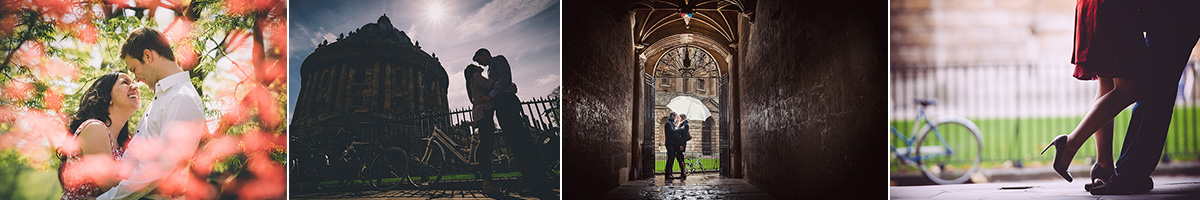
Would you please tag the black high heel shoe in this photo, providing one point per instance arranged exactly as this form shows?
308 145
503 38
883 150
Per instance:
1100 176
1059 143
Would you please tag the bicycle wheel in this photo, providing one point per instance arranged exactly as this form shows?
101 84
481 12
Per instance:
952 153
549 146
386 174
695 166
502 160
424 166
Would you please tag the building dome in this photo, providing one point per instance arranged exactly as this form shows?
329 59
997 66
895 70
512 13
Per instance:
374 75
383 20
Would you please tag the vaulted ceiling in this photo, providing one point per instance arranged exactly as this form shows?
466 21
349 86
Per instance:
660 25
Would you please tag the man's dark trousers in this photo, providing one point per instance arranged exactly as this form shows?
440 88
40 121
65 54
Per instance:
1171 33
520 142
673 154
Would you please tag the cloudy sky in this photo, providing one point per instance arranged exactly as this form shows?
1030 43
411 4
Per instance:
524 31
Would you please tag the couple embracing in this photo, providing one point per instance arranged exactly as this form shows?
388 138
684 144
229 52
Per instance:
676 136
132 165
1137 51
496 95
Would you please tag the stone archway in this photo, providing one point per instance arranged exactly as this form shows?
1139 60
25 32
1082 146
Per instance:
694 67
714 27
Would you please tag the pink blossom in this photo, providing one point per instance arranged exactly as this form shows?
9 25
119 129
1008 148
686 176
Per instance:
18 90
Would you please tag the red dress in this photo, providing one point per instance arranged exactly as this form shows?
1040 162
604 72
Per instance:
85 189
1108 40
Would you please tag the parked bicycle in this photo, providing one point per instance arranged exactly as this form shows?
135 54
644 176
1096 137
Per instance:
306 164
548 141
949 155
387 169
428 159
693 163
364 162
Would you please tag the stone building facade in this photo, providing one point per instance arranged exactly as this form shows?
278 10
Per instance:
704 132
361 85
981 31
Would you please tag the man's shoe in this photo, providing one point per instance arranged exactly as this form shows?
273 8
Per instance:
1123 186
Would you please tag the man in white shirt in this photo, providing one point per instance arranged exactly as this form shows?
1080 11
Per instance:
171 126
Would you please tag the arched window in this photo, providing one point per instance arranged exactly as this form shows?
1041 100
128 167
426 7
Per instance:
686 61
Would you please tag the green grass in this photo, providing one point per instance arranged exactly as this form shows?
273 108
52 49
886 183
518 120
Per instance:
20 182
709 163
1002 141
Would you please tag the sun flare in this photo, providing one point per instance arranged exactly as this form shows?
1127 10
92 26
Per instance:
436 11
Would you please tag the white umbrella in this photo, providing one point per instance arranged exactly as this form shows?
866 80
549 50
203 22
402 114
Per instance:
692 107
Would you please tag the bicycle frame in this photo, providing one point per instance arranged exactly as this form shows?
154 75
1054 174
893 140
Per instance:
439 136
695 161
909 141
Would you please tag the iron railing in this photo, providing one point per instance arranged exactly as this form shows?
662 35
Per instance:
1019 107
540 113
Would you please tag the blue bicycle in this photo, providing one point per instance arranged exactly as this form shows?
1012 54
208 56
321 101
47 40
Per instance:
948 156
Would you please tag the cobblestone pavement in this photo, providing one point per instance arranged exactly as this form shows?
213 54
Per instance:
1165 187
696 186
462 190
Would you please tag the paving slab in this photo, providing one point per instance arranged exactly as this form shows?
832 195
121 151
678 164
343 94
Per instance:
1165 187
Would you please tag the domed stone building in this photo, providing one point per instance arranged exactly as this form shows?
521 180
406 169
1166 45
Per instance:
363 84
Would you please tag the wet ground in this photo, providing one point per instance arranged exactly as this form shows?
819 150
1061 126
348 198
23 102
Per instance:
696 186
1165 187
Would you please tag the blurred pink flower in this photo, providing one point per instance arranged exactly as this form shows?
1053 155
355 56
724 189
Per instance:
187 57
262 142
265 102
56 68
119 3
33 131
182 183
52 99
65 144
269 179
30 54
235 113
86 33
92 167
151 4
272 70
8 112
244 7
54 8
277 32
18 90
219 148
8 23
237 39
178 31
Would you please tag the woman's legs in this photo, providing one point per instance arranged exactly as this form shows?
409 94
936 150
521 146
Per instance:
483 153
1104 136
1101 115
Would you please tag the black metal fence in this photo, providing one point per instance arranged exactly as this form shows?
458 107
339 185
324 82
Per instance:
1019 107
540 113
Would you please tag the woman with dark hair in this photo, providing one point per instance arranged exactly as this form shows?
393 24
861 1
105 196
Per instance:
481 116
101 131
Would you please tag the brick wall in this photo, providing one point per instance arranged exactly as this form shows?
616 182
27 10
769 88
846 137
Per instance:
600 76
813 99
